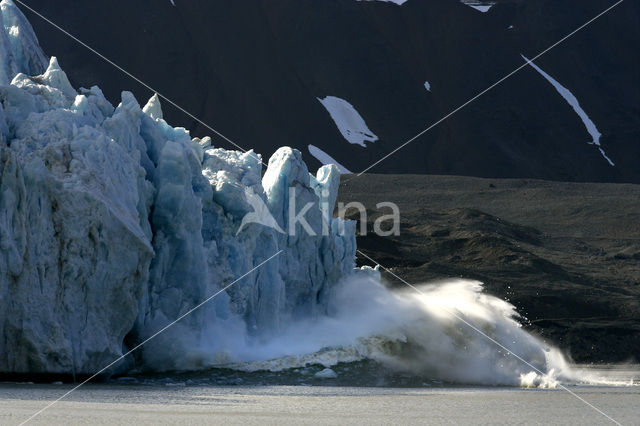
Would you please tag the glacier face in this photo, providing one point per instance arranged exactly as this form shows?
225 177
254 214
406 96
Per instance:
113 224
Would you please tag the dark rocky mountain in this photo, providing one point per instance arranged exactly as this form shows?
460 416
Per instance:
254 70
566 254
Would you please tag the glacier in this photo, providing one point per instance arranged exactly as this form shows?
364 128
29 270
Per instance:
114 223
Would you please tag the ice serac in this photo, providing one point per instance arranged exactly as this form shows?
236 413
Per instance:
316 249
19 48
152 108
113 225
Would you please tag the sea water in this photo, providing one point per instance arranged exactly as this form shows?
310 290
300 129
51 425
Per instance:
183 402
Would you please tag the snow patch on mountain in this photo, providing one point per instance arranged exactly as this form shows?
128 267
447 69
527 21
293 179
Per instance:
398 2
573 101
482 6
350 123
325 158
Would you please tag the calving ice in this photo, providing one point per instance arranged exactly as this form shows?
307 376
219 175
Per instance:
114 224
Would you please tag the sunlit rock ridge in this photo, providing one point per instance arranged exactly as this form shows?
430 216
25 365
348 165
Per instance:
113 224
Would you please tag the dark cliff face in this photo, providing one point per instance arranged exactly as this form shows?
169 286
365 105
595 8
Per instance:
253 69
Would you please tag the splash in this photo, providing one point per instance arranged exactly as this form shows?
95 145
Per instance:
402 331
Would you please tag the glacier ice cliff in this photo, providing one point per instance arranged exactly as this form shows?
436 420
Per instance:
113 224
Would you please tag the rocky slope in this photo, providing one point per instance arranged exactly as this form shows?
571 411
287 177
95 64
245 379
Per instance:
566 254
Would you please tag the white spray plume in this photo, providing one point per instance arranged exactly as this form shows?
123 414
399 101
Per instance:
404 331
